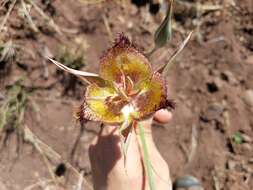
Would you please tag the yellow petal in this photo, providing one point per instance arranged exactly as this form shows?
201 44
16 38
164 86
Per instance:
122 61
152 96
96 108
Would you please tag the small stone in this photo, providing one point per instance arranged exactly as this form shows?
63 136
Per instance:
187 182
181 96
231 164
229 77
248 97
1 96
36 174
246 147
217 13
191 188
121 19
133 10
130 25
246 138
251 160
2 186
196 188
214 72
218 82
249 60
213 112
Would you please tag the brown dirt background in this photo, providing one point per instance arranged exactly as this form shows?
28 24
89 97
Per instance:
211 83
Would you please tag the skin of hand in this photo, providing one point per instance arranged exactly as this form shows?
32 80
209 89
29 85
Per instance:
108 168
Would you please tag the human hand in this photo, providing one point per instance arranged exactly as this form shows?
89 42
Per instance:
108 168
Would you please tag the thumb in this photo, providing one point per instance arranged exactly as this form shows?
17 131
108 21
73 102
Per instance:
162 116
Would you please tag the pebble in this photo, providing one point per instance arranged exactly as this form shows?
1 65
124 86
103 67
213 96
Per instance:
218 82
213 112
246 147
187 182
1 96
246 138
248 97
133 10
130 25
229 77
121 19
191 188
249 60
231 164
2 186
196 188
251 160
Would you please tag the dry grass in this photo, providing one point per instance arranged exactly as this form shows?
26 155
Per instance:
24 10
13 107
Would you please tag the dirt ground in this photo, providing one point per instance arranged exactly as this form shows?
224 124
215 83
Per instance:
211 134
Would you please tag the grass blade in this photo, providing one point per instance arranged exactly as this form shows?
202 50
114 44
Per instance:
29 18
146 159
7 15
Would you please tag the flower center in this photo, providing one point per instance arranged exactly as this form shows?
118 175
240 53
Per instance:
123 101
127 110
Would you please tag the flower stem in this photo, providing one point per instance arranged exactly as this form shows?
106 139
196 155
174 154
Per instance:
146 159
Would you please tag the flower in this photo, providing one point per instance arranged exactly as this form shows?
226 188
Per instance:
130 90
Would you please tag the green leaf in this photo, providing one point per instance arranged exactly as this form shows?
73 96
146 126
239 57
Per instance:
164 32
146 159
237 138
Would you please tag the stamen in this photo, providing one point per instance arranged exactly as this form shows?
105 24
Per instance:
123 77
131 84
120 91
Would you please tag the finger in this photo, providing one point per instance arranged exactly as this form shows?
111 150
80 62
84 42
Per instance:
163 116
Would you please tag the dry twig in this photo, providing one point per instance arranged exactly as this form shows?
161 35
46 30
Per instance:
27 15
194 143
108 29
38 184
7 14
44 16
48 152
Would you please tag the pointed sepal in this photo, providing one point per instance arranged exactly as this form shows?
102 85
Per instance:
165 67
83 75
